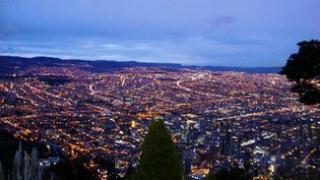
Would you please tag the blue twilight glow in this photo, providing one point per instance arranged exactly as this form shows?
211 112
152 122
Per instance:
202 32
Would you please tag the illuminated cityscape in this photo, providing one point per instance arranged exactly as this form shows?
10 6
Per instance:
218 119
159 90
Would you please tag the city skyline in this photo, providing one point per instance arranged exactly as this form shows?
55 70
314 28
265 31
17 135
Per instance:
218 120
243 34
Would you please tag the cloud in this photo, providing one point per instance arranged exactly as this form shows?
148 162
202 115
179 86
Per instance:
224 20
199 50
239 33
8 30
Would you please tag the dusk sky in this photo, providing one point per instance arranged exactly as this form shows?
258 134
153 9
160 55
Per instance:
200 32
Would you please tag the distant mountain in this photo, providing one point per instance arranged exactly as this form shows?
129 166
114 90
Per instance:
245 69
12 64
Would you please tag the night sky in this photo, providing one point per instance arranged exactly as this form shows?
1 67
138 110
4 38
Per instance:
200 32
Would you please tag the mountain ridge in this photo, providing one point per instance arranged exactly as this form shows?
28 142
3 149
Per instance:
10 64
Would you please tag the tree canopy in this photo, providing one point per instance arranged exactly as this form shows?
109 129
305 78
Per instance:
303 68
1 172
159 159
226 174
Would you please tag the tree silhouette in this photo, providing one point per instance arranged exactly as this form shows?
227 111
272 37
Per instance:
303 68
224 174
211 176
159 159
1 172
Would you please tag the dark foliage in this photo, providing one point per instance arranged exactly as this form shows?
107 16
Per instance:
65 169
304 67
159 159
232 174
71 169
9 99
9 145
54 80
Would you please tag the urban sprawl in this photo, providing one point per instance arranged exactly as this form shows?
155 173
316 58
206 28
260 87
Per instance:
217 119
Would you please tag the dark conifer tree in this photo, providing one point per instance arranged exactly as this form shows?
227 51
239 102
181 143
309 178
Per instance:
159 159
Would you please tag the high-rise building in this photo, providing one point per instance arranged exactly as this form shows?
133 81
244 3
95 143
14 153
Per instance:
109 127
226 140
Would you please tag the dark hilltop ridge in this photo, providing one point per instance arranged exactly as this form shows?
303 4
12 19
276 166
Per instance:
12 64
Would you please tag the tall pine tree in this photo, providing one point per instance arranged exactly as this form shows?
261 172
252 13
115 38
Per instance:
159 159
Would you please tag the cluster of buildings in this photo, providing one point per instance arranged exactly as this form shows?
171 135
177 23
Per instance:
219 120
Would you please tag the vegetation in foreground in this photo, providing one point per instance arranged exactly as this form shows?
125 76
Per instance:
159 159
21 160
303 68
